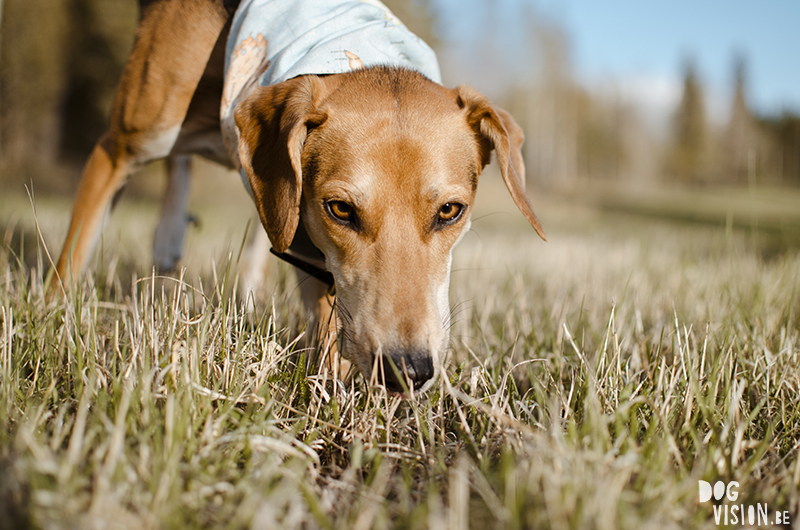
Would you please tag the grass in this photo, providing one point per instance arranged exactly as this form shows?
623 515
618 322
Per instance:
592 382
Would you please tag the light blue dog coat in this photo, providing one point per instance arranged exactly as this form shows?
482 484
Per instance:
301 37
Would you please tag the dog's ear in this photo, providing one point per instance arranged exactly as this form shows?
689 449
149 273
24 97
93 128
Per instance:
272 123
497 130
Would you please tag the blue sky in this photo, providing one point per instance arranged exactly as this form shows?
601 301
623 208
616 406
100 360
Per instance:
628 38
643 44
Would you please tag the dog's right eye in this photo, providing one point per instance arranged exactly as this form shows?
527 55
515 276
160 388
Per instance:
341 211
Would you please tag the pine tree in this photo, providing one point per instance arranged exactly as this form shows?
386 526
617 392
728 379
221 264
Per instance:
689 157
742 137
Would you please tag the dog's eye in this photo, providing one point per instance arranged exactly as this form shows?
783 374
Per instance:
341 211
450 212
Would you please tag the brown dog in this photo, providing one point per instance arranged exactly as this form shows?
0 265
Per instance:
372 173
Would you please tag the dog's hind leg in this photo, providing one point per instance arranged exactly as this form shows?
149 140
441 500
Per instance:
173 43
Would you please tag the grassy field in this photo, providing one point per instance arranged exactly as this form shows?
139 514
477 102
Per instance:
592 380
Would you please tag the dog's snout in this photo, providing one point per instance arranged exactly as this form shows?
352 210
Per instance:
417 367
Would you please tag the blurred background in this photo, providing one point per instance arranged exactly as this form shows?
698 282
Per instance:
679 110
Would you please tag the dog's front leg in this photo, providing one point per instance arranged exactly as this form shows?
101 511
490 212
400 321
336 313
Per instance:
323 324
168 239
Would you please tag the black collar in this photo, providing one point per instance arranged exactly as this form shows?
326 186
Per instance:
322 275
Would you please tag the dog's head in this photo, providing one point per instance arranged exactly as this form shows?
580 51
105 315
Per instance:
382 166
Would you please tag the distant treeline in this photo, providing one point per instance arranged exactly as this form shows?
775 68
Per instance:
573 135
60 61
748 149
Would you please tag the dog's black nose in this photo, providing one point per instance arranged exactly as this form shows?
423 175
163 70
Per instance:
417 367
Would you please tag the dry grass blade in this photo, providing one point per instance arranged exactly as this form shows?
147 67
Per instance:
589 385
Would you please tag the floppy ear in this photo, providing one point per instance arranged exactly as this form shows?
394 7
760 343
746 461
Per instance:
498 131
272 123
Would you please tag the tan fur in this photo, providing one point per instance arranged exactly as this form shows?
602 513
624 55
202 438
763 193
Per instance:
393 145
309 141
173 44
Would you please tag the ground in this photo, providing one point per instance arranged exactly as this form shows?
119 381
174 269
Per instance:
593 381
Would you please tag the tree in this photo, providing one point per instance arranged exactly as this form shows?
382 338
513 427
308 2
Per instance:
743 140
689 156
59 63
32 77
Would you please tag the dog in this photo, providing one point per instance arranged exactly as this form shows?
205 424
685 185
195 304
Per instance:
362 166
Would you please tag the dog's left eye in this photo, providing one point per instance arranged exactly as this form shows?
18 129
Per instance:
450 213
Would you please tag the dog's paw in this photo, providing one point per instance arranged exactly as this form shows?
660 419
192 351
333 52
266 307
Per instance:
168 241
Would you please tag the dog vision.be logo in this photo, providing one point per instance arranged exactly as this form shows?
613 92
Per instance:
738 514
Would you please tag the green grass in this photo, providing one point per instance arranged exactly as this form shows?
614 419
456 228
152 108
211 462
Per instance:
592 381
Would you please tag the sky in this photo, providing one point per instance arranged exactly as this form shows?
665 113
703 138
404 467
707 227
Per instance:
641 46
641 39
